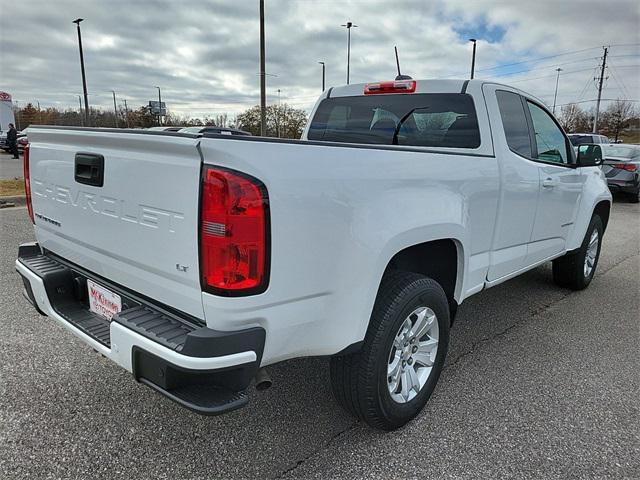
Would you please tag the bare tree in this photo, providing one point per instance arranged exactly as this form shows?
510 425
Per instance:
617 117
574 119
282 119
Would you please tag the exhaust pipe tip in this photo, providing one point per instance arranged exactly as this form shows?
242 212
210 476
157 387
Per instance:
262 379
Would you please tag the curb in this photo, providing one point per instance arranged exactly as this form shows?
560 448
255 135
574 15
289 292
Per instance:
13 201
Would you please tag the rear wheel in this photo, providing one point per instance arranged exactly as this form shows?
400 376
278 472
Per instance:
391 378
635 197
576 270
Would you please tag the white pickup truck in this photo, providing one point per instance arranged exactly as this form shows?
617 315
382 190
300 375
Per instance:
194 261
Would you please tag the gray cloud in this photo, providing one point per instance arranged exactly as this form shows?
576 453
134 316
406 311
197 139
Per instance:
204 55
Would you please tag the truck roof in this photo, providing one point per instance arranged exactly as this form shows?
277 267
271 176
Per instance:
425 86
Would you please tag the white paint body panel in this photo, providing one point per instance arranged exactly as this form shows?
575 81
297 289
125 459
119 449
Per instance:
338 215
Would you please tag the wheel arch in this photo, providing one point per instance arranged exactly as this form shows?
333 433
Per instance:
603 210
440 259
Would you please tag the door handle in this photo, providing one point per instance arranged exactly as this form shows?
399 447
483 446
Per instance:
549 183
89 169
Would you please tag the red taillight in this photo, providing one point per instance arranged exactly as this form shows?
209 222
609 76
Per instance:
27 181
234 223
398 86
629 167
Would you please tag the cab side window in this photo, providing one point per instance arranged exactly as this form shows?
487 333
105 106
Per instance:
550 141
514 122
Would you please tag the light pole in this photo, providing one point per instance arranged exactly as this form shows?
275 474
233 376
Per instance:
323 67
473 57
349 26
263 78
555 95
115 108
126 112
159 107
84 77
278 116
80 105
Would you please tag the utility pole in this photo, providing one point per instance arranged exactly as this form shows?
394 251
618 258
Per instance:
349 26
84 78
126 112
263 77
555 95
39 112
604 65
322 63
159 107
115 108
80 105
473 57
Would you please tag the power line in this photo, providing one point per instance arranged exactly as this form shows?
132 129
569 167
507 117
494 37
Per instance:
534 60
553 75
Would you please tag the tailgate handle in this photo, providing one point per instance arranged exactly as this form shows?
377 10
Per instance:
89 169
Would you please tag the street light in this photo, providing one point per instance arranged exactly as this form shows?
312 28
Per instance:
80 105
473 57
263 78
322 63
278 116
115 109
349 26
555 95
84 78
159 107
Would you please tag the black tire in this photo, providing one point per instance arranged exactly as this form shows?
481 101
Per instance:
568 271
635 197
359 380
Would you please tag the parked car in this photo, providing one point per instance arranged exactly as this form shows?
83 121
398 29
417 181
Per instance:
358 242
587 138
165 129
213 130
622 169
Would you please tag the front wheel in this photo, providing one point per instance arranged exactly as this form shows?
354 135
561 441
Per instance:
576 270
391 378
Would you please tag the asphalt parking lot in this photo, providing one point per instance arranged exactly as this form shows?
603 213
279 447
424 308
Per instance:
540 383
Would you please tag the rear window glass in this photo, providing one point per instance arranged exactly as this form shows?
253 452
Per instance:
622 151
424 120
580 139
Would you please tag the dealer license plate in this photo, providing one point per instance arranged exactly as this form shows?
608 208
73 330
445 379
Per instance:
103 301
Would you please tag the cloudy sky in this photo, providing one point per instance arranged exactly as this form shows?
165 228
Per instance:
205 54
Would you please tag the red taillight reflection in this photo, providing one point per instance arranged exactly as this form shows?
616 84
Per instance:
397 86
629 167
27 181
233 233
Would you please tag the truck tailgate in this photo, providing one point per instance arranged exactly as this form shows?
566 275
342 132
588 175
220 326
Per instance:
137 225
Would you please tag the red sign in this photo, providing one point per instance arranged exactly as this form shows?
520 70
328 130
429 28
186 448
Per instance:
5 97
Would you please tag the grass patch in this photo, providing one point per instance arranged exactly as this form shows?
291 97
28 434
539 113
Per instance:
10 188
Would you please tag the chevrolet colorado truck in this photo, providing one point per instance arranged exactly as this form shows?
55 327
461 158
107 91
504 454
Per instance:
194 261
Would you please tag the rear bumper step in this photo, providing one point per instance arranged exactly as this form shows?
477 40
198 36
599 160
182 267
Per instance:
204 370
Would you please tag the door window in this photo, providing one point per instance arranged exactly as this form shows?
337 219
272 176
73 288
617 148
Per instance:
514 122
550 141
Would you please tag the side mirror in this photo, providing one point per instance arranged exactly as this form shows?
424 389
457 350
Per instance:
589 155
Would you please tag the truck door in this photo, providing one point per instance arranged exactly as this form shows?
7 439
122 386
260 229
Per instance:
560 185
519 181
